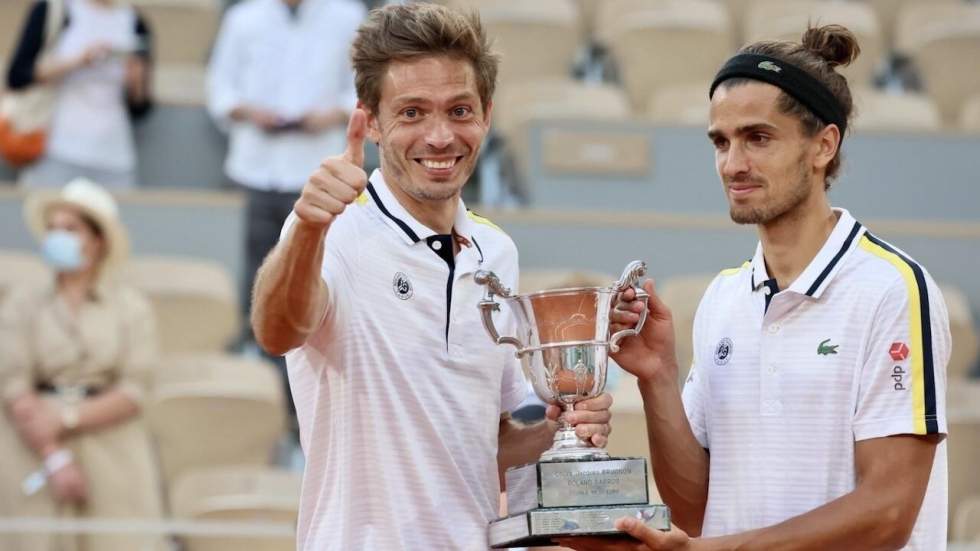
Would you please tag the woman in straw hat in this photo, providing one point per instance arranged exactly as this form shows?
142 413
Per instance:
75 356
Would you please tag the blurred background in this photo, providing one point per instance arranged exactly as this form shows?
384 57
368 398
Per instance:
598 156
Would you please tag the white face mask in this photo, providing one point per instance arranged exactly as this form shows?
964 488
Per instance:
62 250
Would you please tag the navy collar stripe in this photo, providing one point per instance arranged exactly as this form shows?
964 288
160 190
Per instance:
826 271
928 377
384 210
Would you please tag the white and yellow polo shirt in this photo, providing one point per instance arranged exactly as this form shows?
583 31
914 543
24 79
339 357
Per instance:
785 381
399 392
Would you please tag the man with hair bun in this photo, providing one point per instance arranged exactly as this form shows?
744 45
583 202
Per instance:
814 413
401 398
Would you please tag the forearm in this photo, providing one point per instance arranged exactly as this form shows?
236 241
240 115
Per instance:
859 520
519 444
21 411
105 410
680 464
290 295
53 71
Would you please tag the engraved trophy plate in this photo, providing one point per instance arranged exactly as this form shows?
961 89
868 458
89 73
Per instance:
577 484
539 526
563 342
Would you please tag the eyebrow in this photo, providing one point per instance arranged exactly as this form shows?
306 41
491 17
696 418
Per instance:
747 129
425 100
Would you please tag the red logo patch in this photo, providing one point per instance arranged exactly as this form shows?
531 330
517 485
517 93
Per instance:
898 351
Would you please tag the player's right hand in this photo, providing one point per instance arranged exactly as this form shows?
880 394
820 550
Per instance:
339 180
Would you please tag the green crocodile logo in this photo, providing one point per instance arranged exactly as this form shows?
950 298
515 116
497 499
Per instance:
824 349
770 66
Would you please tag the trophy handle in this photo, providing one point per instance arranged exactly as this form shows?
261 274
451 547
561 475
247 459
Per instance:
630 278
488 306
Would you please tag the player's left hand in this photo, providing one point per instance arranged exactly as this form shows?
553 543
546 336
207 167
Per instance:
590 418
642 538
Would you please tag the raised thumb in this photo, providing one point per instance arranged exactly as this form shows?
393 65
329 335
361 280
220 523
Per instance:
356 132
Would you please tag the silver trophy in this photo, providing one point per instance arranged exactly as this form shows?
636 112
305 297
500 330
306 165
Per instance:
563 341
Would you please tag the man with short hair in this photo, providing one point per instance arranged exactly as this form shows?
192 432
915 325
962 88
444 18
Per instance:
401 396
813 416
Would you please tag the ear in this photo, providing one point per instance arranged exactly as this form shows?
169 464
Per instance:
827 142
373 128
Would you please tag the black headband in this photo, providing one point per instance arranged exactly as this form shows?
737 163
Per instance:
790 79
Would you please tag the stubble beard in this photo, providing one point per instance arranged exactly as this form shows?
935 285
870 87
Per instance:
798 194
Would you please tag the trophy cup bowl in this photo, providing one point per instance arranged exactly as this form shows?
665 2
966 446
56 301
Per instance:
563 342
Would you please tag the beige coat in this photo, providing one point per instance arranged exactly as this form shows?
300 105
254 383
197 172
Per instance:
110 342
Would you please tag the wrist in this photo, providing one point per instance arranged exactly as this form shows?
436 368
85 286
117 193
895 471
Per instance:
57 460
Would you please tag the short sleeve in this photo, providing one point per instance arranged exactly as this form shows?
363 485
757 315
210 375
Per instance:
16 352
141 344
694 395
902 383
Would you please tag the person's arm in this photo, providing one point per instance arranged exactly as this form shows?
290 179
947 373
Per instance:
679 461
879 514
139 67
290 295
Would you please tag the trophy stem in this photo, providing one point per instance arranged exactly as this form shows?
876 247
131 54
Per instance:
567 445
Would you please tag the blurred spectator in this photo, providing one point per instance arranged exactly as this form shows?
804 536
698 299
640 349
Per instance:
280 82
100 66
75 359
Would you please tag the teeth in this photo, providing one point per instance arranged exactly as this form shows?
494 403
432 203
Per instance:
438 164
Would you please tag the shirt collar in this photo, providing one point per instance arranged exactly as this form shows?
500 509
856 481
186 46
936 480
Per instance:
824 266
399 219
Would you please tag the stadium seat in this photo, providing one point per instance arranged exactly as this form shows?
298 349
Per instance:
963 331
214 410
963 417
243 494
180 84
887 12
966 521
194 299
788 19
21 268
183 29
682 294
563 100
945 52
653 48
538 39
970 117
894 112
684 104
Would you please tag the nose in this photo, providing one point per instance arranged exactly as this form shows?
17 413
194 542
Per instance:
733 162
439 135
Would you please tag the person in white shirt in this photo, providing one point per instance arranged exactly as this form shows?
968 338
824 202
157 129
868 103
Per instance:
401 396
280 83
100 66
813 416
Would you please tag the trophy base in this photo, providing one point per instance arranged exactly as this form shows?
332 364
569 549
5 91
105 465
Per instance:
540 526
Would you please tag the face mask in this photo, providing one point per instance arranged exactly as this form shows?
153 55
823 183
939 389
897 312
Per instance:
62 250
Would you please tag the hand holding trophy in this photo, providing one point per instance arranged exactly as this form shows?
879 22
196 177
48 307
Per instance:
575 488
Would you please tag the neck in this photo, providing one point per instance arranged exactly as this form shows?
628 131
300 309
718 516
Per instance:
437 215
790 242
75 287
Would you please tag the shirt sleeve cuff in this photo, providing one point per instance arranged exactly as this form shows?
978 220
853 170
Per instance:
891 426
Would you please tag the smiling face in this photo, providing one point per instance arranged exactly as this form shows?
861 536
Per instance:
768 168
429 126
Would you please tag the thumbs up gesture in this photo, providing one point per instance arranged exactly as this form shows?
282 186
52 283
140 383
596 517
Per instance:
338 181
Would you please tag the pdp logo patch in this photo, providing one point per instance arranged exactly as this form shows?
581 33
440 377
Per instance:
402 286
723 352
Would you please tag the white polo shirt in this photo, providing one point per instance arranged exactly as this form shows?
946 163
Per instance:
399 392
785 382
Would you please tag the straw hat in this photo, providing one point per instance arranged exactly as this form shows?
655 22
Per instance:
94 202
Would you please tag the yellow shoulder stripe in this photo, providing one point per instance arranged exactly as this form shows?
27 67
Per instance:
915 330
362 199
733 271
481 220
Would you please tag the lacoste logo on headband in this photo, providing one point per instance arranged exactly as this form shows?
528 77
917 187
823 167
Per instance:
770 66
